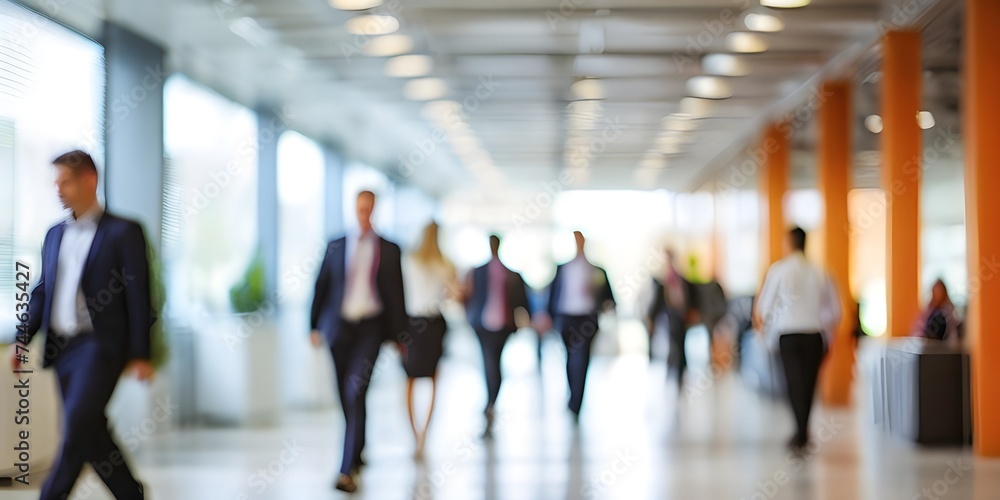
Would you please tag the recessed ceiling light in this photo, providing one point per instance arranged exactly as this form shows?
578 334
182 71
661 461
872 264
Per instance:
372 25
725 65
746 43
763 22
925 119
873 123
409 66
589 88
388 45
709 87
785 4
354 4
425 89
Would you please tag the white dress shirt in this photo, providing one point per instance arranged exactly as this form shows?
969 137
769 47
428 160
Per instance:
797 297
70 315
577 293
361 300
425 287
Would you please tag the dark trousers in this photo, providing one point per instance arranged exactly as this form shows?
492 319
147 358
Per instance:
578 334
355 351
87 378
677 357
492 344
801 355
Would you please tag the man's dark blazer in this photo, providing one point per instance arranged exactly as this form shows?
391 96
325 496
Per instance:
115 284
517 296
329 295
659 302
600 286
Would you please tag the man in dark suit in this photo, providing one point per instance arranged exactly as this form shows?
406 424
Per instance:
676 299
495 293
578 293
93 301
358 304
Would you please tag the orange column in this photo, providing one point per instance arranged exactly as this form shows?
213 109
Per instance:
982 208
901 158
834 148
773 176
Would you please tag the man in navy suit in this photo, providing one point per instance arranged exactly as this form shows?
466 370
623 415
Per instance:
93 302
496 292
358 304
579 292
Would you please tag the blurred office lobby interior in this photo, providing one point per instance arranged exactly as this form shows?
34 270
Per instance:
238 132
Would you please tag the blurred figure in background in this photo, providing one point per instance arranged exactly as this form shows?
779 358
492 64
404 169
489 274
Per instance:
358 304
674 299
494 294
89 342
578 293
797 310
429 280
939 320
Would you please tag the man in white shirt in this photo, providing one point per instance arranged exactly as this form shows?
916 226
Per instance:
578 293
94 304
797 309
358 304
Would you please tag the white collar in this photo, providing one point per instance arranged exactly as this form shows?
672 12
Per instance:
91 215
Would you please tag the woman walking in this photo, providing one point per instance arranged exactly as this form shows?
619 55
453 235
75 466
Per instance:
428 280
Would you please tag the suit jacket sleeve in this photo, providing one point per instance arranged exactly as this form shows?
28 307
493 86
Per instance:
657 305
396 306
522 294
321 289
138 300
550 304
606 294
36 305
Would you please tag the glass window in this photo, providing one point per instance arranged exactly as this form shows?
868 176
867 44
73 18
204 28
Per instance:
211 186
51 102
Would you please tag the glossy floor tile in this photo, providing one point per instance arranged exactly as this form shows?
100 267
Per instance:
637 439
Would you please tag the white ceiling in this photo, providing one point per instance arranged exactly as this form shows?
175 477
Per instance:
644 52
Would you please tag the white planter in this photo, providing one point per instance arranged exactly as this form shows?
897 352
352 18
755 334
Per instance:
236 370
